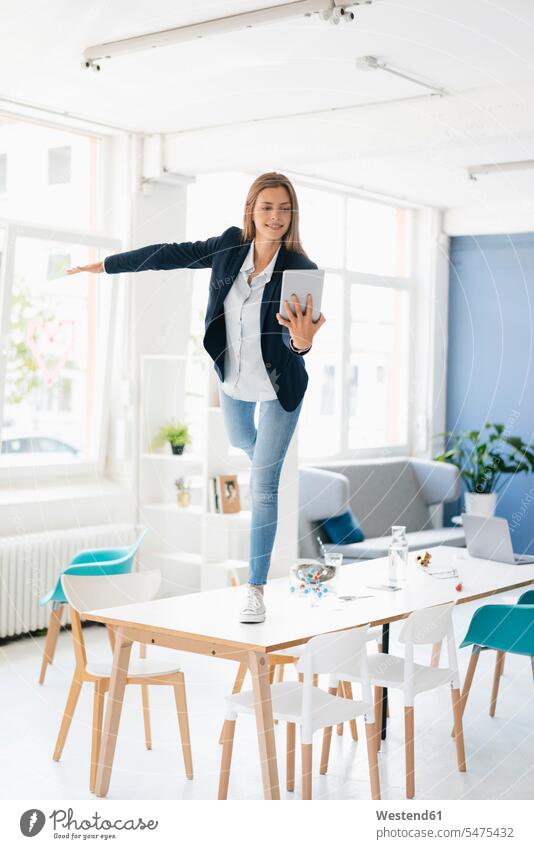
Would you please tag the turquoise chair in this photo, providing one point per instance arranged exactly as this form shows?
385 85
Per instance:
90 561
502 628
526 598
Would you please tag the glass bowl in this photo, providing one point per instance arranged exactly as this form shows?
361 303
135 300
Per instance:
311 578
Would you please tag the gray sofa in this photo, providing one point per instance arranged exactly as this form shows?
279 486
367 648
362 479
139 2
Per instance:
381 493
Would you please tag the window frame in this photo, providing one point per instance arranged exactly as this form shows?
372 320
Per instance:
12 231
3 191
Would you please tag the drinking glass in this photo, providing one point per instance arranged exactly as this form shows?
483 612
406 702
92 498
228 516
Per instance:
332 558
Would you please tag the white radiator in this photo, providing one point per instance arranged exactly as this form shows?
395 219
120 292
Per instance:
31 564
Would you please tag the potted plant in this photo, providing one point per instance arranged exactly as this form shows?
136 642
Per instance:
176 433
484 457
183 491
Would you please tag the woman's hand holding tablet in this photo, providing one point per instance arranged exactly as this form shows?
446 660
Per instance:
302 328
303 318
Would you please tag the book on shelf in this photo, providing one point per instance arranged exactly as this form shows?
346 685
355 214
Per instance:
224 494
213 496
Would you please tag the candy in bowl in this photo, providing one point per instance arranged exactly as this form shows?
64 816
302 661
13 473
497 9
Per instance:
310 577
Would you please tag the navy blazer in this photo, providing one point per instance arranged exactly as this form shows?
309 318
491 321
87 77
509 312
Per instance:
225 255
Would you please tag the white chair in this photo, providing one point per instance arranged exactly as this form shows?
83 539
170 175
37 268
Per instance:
283 657
422 627
300 703
85 593
344 688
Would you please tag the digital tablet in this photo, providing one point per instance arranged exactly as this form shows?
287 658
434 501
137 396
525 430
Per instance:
301 282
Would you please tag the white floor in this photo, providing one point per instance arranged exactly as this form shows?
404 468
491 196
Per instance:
500 751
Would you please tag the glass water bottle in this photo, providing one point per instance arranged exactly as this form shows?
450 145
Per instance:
397 556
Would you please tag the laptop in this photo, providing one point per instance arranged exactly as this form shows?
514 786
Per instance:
489 537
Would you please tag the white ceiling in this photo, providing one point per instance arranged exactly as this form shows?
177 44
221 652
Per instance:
419 148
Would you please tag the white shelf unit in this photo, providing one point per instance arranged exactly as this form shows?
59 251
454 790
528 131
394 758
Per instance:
188 544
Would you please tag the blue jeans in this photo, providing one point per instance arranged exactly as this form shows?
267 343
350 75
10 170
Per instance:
266 446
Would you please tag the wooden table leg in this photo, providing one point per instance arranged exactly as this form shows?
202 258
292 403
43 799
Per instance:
259 671
117 684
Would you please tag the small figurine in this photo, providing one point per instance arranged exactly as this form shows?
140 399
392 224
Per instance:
425 559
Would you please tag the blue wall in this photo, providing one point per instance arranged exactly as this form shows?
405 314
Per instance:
490 374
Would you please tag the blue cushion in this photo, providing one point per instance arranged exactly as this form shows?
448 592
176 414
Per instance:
344 529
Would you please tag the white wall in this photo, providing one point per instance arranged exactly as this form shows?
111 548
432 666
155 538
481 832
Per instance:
479 220
429 331
154 306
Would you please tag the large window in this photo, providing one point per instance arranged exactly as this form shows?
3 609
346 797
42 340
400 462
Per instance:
359 371
378 367
358 392
56 330
52 176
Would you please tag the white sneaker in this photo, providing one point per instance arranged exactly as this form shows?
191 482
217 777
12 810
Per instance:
254 609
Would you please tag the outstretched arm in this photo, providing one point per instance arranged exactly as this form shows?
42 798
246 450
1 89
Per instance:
161 257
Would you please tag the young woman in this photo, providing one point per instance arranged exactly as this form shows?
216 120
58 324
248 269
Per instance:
258 354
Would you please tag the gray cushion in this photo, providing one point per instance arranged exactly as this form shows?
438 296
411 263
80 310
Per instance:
378 546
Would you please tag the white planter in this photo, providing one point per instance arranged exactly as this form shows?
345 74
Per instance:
481 504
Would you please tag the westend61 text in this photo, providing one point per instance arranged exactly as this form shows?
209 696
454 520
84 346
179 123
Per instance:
408 815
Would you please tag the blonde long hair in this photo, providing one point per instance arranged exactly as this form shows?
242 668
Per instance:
272 180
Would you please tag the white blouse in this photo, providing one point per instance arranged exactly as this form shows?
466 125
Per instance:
245 374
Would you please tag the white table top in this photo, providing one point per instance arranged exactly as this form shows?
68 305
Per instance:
290 620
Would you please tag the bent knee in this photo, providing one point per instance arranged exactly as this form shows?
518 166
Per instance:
264 493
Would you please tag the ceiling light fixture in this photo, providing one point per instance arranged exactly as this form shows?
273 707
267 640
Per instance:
371 63
499 168
333 11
